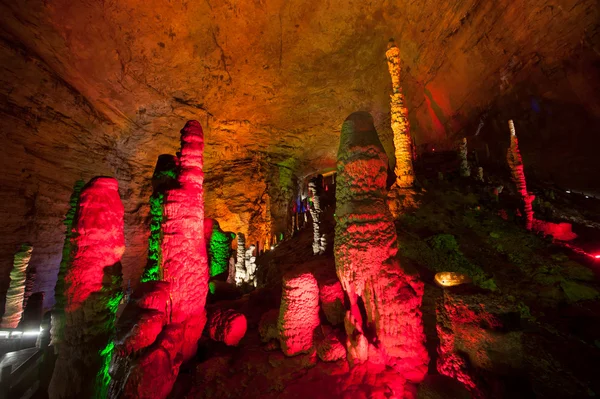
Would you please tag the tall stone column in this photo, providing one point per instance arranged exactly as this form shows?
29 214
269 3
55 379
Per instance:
13 309
515 162
92 293
240 264
400 126
314 190
378 287
463 152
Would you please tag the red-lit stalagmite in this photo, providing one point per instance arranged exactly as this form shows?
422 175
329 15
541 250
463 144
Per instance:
92 293
299 312
13 309
185 264
518 175
365 255
185 273
227 326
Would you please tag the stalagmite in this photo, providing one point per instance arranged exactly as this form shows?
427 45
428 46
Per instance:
227 326
402 195
378 287
250 263
164 178
218 247
518 175
13 309
185 273
400 125
240 264
480 174
299 312
92 293
314 190
465 170
58 313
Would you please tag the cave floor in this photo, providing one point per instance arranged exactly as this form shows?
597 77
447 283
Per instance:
459 226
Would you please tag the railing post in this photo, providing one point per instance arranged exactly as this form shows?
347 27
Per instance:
5 381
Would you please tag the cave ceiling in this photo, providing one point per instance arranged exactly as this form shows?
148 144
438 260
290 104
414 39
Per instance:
103 87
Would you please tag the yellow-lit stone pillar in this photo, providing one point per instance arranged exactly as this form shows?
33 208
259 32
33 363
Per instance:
400 126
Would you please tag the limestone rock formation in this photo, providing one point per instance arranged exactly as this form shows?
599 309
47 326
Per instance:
218 247
331 296
479 175
400 126
515 162
314 190
92 293
227 326
267 327
13 309
384 320
463 152
299 312
329 346
250 264
480 339
240 264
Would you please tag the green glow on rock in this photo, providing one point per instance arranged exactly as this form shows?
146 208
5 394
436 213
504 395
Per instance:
152 270
212 287
103 378
219 250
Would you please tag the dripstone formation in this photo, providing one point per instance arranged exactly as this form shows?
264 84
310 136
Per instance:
314 189
92 292
13 309
518 176
384 323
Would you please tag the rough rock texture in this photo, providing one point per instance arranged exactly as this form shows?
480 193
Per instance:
331 296
218 247
84 91
314 190
299 312
329 345
240 264
450 279
227 326
250 264
92 292
13 308
515 162
405 175
267 326
480 340
384 321
183 247
463 152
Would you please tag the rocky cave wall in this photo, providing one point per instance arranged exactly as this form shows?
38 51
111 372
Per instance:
103 88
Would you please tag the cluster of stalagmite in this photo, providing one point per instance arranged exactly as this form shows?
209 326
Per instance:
465 170
92 293
161 325
299 312
389 328
250 262
13 309
400 126
518 175
227 326
314 190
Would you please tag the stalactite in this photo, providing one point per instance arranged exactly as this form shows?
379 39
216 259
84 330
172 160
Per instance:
314 190
365 253
92 293
58 313
400 125
240 265
465 170
518 176
13 309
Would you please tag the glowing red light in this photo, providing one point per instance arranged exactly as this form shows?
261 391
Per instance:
597 256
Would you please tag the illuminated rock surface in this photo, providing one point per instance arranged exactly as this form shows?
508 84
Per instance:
388 328
299 312
319 240
227 326
515 162
218 247
92 293
463 152
13 308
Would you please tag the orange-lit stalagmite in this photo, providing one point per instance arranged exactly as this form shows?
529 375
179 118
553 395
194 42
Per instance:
400 126
384 323
13 309
518 175
92 293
